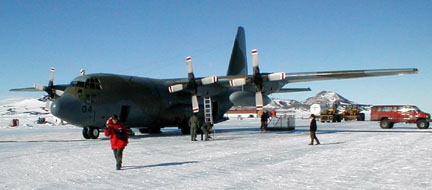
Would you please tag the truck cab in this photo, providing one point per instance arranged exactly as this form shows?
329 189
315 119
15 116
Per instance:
388 115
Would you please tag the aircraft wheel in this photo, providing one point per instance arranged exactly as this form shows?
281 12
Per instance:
386 124
85 133
156 130
185 129
93 132
144 130
422 124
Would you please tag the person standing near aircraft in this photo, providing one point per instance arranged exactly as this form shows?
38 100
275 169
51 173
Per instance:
313 129
119 137
205 128
264 118
193 124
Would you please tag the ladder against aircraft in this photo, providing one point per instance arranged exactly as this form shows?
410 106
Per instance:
208 115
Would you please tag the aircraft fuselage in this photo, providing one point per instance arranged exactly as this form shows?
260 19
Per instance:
141 102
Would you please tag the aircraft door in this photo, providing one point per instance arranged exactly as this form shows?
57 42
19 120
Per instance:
124 113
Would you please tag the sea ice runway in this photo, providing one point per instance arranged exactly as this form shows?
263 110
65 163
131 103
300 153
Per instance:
353 155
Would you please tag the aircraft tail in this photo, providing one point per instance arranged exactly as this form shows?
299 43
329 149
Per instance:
238 61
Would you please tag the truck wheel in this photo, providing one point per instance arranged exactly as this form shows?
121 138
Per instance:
361 117
422 124
386 124
339 118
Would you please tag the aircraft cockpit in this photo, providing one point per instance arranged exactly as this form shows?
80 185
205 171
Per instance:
89 83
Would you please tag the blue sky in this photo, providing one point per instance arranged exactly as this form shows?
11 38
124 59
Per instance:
152 39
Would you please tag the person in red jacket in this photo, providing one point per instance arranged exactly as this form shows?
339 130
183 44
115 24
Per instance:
117 132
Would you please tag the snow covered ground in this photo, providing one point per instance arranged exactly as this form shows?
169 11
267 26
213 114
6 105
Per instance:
353 155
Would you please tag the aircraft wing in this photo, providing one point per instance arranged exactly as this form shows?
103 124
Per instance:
245 82
61 87
330 75
31 89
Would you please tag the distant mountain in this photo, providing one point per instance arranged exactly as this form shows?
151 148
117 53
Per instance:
277 103
327 97
324 97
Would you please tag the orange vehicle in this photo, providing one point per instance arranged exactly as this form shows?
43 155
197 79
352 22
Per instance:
388 115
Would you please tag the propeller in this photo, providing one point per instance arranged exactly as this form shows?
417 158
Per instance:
257 79
50 89
192 84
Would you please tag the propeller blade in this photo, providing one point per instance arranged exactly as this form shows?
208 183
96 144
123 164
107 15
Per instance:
47 105
276 76
51 77
255 61
189 64
209 80
175 88
238 82
259 100
39 87
195 106
58 92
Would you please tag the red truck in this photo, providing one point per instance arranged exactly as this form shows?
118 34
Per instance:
388 115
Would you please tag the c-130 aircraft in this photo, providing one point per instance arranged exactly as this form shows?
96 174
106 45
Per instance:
150 104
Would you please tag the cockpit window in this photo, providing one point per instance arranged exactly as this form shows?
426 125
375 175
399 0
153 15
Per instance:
91 83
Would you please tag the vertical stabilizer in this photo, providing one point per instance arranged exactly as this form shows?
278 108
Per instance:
238 61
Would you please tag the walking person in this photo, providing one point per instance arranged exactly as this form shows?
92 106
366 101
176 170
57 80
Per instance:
313 129
119 138
193 124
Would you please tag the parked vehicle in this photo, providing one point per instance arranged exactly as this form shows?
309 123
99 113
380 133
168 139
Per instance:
388 115
352 112
330 113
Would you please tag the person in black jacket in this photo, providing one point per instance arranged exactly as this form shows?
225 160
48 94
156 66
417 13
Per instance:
312 129
264 117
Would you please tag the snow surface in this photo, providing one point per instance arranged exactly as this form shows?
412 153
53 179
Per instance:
353 155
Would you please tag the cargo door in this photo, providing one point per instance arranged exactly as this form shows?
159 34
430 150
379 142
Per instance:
124 113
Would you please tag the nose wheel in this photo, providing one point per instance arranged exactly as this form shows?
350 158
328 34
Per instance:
90 132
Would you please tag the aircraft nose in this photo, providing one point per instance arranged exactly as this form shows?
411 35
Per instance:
63 107
55 107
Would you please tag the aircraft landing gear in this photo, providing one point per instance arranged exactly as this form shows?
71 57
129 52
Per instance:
184 126
156 130
90 132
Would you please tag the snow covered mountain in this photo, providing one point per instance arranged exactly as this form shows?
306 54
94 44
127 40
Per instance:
327 97
324 97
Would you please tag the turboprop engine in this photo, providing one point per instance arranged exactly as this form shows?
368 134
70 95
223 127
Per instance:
244 98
